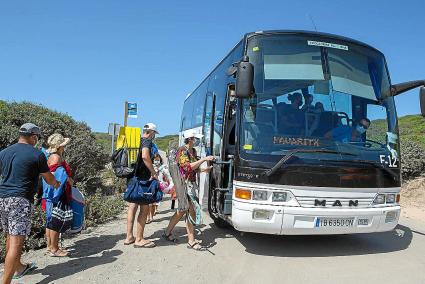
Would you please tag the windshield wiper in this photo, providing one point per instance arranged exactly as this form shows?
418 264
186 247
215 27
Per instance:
291 153
375 164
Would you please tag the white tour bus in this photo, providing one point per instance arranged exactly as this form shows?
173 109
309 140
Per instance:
304 130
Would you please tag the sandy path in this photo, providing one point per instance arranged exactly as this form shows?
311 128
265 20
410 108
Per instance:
99 256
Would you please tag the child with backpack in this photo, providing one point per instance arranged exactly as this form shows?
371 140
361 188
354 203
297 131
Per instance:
166 184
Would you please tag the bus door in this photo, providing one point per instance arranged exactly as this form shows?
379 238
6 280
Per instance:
223 166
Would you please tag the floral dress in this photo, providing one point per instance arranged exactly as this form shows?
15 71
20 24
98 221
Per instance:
191 189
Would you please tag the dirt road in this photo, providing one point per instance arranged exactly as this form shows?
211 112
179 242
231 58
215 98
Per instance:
99 256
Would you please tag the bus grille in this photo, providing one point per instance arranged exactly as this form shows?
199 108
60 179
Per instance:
331 202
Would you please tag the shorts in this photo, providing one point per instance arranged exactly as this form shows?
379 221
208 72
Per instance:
15 216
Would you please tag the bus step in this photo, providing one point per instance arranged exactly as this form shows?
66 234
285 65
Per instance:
227 210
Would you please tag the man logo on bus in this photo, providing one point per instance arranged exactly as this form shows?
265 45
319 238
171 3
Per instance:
318 202
322 203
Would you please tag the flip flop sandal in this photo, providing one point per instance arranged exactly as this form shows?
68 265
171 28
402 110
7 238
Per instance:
195 246
147 245
170 238
56 254
129 243
28 268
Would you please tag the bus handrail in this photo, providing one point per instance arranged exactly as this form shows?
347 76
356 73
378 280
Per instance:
230 183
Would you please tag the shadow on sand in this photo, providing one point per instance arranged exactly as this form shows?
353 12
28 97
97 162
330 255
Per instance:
314 246
86 255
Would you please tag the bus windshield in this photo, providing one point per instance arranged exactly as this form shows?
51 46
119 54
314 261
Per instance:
318 92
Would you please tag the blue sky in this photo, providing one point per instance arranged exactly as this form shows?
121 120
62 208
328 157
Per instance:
85 58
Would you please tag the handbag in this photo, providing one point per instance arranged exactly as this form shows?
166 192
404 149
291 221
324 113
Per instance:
142 191
138 190
61 218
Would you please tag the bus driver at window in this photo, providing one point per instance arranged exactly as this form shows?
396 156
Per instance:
347 134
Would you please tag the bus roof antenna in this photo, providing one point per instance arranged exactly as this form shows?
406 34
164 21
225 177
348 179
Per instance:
312 21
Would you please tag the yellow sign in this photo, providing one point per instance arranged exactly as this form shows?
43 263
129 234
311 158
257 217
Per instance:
247 147
129 137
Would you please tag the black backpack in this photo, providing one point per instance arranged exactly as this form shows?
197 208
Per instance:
120 164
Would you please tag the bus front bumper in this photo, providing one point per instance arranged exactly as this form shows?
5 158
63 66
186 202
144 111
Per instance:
279 220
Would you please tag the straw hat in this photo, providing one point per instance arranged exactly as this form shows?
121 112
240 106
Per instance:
56 141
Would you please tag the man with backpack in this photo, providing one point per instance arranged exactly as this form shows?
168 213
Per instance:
20 166
144 171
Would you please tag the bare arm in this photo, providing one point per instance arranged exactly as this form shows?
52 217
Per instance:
50 179
148 162
54 159
198 163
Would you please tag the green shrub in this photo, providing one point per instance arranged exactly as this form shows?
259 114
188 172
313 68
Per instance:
100 208
104 139
85 156
412 159
162 142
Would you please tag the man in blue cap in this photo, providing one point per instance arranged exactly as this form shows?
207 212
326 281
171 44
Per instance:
20 166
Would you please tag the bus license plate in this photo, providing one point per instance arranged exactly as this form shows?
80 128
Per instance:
334 222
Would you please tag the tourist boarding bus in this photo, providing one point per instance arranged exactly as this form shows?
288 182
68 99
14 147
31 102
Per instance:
303 127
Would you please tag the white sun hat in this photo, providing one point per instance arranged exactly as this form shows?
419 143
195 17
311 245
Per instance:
150 126
191 133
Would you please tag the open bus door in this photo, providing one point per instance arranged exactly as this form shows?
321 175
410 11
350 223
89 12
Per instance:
220 190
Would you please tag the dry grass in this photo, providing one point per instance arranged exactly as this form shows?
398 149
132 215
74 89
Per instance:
413 192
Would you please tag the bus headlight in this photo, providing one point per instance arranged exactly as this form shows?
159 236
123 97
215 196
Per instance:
379 199
390 198
386 198
279 196
259 195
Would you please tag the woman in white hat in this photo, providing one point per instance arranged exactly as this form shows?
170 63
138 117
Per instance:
55 161
189 166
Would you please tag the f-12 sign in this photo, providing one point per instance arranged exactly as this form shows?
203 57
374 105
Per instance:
390 161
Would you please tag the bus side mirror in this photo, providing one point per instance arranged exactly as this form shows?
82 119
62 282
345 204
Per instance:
244 78
422 100
406 86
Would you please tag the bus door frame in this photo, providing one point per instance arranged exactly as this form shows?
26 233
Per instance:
204 196
222 169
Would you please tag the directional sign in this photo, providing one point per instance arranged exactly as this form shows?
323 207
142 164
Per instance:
132 110
114 129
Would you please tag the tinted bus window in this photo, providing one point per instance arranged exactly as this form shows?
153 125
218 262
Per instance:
198 109
187 113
